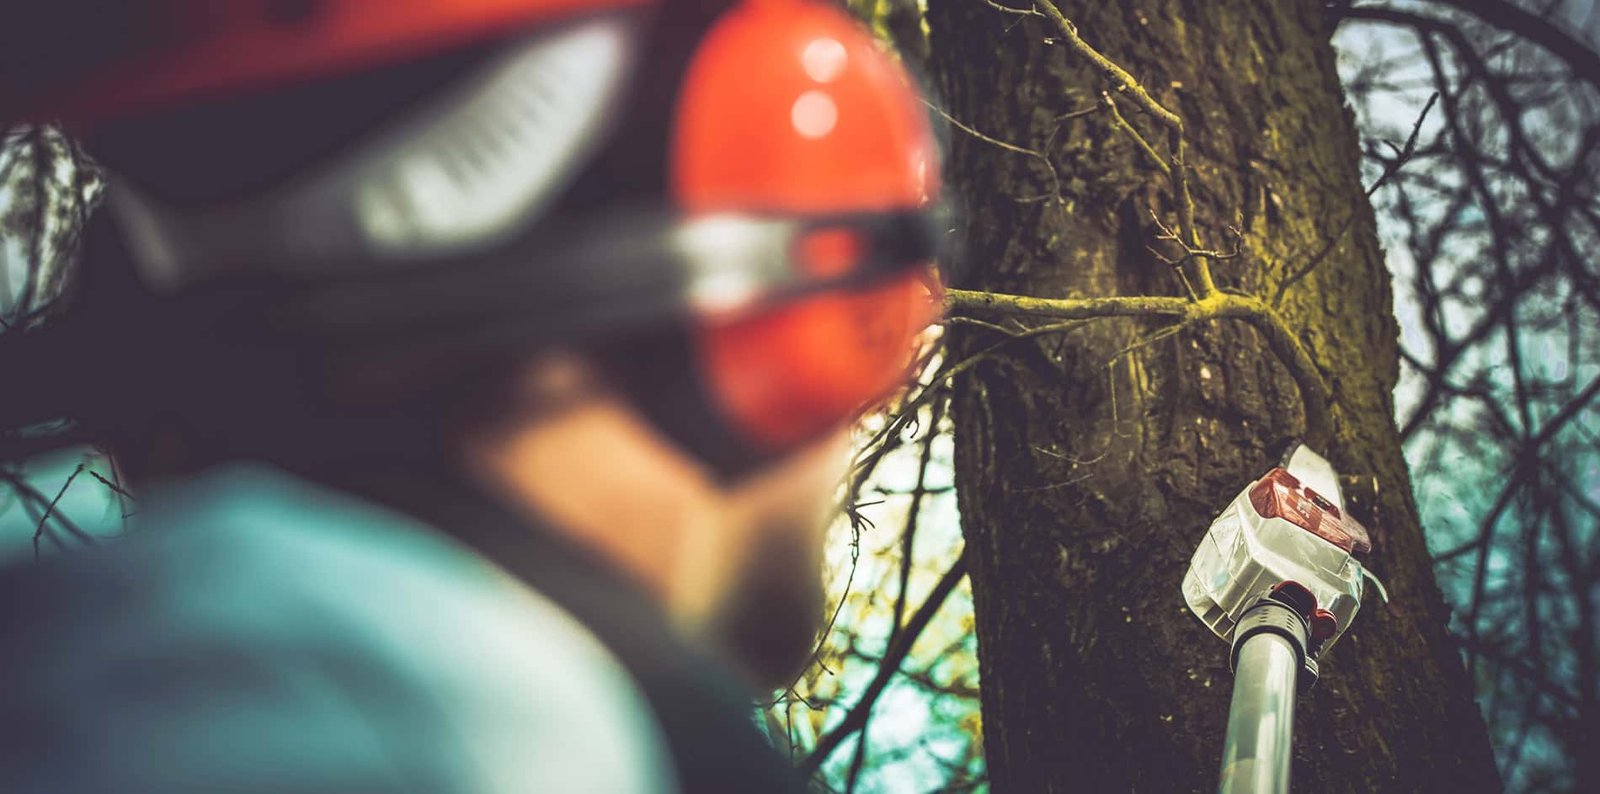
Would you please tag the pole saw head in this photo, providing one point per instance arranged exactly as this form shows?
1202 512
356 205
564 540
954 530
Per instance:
1287 537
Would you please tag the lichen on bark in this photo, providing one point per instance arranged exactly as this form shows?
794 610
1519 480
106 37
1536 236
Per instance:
1089 463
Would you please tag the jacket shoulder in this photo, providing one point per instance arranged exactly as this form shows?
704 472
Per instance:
255 632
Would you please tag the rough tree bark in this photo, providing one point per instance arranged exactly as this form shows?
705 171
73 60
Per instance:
1086 474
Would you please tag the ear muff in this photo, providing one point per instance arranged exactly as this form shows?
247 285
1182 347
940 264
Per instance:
789 106
786 375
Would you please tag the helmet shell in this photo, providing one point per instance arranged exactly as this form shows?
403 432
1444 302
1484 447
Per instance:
791 107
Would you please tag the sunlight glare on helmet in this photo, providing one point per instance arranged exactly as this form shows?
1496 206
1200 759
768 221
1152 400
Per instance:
814 114
824 60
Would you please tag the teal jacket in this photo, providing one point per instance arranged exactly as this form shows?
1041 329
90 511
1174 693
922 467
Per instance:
254 632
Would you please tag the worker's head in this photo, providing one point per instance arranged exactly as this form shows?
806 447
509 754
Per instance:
705 223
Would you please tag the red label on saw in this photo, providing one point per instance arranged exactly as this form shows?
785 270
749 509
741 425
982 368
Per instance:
1280 495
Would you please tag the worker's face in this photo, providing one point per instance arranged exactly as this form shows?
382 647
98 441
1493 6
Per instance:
773 609
739 563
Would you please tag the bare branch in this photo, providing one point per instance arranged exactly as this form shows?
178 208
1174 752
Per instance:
892 659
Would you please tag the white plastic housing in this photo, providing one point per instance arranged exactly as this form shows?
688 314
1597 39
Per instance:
1243 555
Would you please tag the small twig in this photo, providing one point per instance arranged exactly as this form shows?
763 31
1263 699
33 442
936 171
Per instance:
123 497
1031 11
1158 335
1078 114
984 324
1055 176
1121 123
892 659
1177 169
1401 158
1165 233
38 531
1124 82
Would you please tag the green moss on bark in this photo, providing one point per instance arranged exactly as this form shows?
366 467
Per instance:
1086 477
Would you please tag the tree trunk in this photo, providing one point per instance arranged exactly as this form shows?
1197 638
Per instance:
1088 472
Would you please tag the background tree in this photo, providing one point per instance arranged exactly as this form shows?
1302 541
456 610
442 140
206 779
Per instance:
1490 231
1487 230
1090 461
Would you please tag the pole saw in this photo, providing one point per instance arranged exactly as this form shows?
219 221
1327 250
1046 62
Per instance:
1277 576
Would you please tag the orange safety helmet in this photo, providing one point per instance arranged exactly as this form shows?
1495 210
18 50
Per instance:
795 246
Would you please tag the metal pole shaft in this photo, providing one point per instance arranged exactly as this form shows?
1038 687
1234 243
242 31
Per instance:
1255 755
